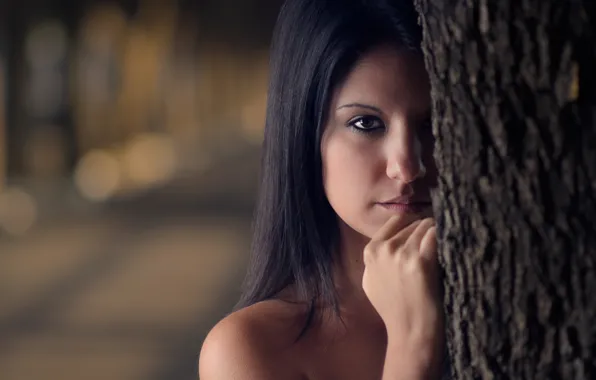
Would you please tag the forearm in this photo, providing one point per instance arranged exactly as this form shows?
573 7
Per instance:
403 363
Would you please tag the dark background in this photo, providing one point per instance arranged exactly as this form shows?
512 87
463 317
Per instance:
129 144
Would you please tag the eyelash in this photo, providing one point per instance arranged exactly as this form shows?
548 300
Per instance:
426 126
352 124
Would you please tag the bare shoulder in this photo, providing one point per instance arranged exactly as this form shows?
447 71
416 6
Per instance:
256 342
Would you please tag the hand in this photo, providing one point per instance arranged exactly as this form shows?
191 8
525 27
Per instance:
401 280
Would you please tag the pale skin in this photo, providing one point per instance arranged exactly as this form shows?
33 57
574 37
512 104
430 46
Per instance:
376 152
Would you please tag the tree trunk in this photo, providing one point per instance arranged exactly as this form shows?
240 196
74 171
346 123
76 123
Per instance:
514 102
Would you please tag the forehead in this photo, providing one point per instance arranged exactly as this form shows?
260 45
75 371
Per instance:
387 78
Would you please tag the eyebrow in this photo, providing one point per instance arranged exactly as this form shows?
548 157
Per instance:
360 105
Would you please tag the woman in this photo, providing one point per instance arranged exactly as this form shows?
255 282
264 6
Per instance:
343 282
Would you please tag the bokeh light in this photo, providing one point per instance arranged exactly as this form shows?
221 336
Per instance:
98 175
18 211
150 159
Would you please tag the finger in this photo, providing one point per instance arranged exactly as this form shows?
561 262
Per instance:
428 244
415 238
394 225
402 236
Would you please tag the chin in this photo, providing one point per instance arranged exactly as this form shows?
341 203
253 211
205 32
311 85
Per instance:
357 233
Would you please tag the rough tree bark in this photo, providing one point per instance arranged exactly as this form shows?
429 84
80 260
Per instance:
514 102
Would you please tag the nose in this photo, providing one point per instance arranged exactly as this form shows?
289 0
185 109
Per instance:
404 158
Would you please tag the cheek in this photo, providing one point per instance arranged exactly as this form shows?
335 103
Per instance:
348 176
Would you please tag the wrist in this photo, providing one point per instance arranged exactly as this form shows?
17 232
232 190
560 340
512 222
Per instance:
412 360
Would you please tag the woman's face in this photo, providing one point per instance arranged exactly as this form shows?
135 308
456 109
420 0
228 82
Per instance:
377 147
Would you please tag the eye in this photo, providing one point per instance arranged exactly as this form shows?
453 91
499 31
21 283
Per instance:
366 124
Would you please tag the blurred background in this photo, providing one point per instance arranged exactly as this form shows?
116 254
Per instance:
129 146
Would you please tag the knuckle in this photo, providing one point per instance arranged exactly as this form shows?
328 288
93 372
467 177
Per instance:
384 249
369 254
372 245
392 245
416 264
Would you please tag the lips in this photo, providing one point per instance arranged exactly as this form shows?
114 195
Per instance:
407 199
410 207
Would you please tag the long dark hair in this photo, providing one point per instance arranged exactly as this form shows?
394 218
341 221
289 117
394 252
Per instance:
315 44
